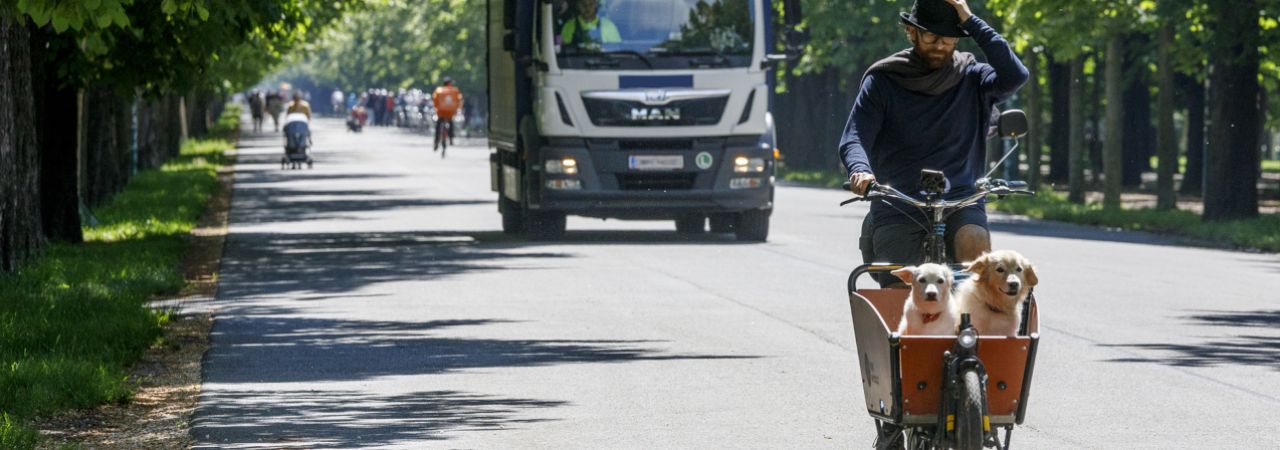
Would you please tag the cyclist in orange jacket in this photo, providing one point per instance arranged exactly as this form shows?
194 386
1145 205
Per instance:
448 100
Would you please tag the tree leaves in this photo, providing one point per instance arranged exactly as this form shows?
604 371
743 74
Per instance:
401 44
175 45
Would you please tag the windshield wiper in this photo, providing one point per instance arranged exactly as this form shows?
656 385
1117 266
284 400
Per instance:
718 58
639 55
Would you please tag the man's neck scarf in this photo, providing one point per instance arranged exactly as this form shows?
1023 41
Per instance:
912 72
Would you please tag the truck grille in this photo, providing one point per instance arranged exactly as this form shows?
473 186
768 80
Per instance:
656 181
622 113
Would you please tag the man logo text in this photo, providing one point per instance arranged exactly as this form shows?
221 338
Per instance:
649 114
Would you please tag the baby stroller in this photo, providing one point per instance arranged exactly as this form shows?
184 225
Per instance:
297 140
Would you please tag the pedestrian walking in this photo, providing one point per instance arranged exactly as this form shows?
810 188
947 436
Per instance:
256 107
275 106
298 105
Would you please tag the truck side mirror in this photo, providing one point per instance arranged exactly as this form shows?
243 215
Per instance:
795 39
793 42
1013 124
509 42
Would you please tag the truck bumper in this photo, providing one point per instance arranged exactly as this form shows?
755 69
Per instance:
696 178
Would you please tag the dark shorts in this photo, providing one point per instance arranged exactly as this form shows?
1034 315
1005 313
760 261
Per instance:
903 242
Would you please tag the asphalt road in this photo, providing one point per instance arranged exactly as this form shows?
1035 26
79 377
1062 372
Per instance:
373 302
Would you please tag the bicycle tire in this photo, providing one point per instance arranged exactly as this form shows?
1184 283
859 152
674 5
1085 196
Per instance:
969 420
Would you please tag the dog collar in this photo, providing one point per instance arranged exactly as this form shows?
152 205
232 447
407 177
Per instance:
930 317
993 309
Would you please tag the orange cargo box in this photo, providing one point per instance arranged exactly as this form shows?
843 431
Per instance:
902 375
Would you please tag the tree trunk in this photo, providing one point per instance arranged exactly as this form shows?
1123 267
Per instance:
21 233
1166 143
1033 117
1231 178
1113 151
57 111
1139 135
159 131
1059 120
1193 176
107 146
1264 137
1076 182
1096 121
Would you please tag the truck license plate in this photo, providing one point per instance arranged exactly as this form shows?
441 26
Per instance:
656 162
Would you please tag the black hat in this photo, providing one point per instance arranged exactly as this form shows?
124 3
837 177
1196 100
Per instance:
935 16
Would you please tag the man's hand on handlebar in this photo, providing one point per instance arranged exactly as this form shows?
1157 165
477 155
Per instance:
859 181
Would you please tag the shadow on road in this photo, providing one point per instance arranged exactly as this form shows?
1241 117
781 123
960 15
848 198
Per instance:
309 263
277 205
624 237
1248 350
293 349
352 419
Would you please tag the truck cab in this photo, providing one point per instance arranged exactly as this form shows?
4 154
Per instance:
632 109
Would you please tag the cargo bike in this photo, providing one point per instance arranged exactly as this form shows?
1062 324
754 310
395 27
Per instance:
941 392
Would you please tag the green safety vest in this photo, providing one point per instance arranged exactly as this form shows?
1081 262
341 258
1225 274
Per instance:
601 30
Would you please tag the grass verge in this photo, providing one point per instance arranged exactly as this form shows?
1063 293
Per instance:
72 322
1261 233
1271 165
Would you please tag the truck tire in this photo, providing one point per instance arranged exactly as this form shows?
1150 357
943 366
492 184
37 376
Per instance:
691 224
753 225
512 216
544 225
722 223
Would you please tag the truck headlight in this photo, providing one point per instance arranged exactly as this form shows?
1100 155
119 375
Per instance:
743 164
566 166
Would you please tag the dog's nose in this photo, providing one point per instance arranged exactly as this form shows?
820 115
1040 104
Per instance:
931 295
1013 285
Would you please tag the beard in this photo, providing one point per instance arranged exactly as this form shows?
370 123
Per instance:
934 57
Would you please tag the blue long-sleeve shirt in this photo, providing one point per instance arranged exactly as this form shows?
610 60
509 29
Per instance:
893 132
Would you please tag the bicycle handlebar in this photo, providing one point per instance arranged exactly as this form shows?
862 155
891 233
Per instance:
985 186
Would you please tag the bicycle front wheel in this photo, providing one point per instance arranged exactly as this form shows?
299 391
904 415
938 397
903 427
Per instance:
969 421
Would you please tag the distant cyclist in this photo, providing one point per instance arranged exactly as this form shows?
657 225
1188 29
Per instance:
447 100
336 101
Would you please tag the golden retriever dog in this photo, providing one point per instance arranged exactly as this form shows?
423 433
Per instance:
993 295
928 310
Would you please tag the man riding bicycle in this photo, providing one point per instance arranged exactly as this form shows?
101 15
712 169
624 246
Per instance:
928 107
447 100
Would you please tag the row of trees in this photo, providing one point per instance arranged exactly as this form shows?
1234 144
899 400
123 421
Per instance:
91 91
1098 69
401 44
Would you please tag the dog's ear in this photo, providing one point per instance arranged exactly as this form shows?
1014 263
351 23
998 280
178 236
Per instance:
1032 279
907 274
978 266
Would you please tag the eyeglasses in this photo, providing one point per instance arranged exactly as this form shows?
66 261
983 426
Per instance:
931 38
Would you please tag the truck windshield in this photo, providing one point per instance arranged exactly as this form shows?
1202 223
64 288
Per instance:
649 33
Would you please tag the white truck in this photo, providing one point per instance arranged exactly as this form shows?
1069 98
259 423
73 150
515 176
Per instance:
634 110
